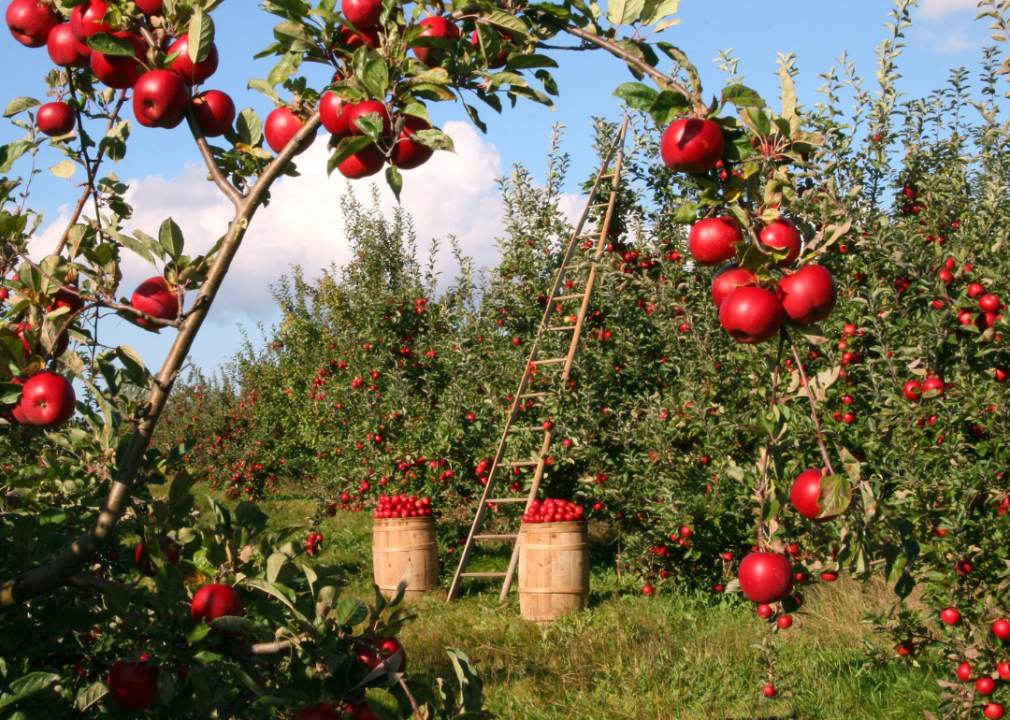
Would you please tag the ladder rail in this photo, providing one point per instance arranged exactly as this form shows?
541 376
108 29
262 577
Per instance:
616 154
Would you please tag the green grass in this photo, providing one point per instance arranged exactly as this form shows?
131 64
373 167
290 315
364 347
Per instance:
628 656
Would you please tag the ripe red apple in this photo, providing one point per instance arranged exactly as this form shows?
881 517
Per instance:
764 611
133 685
963 672
89 19
435 27
361 712
193 74
785 622
1002 373
933 383
501 59
65 298
985 686
65 49
118 71
1003 668
950 616
1001 629
362 13
993 711
30 22
783 234
768 691
387 648
354 40
805 493
214 112
157 299
692 145
361 109
976 290
142 559
912 390
55 119
711 240
809 295
214 601
318 712
989 303
150 7
281 126
59 347
946 277
333 114
729 279
751 314
362 164
765 577
408 154
159 99
47 400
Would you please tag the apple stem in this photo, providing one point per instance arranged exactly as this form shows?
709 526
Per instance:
813 408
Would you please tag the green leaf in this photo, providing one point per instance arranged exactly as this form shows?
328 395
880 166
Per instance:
264 87
249 127
198 633
26 686
375 76
170 237
351 611
667 106
524 62
65 169
788 94
348 146
179 489
88 696
742 96
395 181
505 21
201 35
234 624
111 45
624 12
10 393
11 152
656 10
836 494
382 704
636 95
20 104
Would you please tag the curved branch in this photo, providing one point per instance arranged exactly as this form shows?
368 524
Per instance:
813 410
208 157
72 558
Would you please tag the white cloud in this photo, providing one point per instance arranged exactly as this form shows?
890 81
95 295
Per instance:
939 8
450 195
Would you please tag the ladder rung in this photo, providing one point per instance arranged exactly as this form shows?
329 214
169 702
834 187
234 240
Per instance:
596 205
550 361
537 395
531 428
508 500
570 297
524 463
495 537
494 574
559 328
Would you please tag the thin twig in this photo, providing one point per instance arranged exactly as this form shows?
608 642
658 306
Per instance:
813 410
208 157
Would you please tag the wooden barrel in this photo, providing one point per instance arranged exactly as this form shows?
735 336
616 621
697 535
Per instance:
553 569
397 541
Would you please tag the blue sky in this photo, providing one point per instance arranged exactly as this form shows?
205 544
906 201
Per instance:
943 37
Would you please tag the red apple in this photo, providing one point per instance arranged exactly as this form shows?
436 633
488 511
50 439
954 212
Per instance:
318 712
387 647
805 493
362 13
963 672
367 107
1003 668
729 279
65 298
765 611
169 549
501 59
363 712
333 114
214 601
765 577
1001 629
89 19
1002 373
159 99
692 145
711 240
150 7
30 22
362 164
783 234
993 711
435 27
785 622
47 400
155 297
985 685
912 390
118 71
946 277
933 383
408 154
751 314
133 685
989 303
281 126
976 290
354 40
214 112
808 295
65 49
59 347
768 691
950 616
55 119
193 74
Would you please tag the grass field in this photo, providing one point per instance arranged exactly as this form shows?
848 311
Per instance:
628 656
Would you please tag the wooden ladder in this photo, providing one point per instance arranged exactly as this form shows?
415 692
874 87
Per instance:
614 155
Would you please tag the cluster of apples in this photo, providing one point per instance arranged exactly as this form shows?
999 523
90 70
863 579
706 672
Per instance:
161 77
372 652
551 510
402 506
748 311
